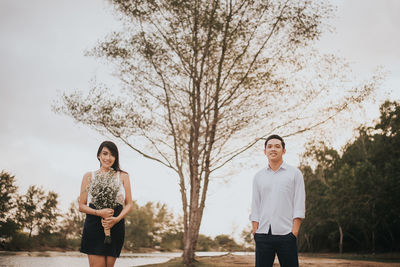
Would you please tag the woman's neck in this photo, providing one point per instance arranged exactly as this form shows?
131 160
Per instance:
102 169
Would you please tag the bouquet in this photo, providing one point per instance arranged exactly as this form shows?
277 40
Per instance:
104 190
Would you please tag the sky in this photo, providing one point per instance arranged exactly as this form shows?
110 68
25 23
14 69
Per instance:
42 45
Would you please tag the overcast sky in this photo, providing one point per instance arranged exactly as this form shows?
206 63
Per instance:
42 55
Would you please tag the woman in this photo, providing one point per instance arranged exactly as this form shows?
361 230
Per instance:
99 253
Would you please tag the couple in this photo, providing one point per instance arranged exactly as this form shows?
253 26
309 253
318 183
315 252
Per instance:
278 206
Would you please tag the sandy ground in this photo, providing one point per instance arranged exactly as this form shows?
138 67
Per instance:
233 260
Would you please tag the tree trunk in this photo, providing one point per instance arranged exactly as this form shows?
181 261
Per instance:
373 242
189 250
341 240
191 237
30 230
308 243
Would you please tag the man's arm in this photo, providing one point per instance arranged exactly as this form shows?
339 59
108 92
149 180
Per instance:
254 226
299 203
255 206
296 226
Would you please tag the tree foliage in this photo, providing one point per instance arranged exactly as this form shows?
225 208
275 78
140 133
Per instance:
8 191
152 225
206 243
248 239
37 211
226 243
72 224
8 199
353 198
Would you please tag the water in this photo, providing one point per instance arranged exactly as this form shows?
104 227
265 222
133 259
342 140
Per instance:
67 259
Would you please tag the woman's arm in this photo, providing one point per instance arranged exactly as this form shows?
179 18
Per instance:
83 197
128 196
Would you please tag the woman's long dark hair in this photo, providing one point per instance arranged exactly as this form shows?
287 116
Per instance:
114 151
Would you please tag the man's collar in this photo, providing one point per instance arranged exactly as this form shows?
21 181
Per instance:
283 166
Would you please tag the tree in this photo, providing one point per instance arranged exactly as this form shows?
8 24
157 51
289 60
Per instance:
354 196
206 243
8 196
171 241
226 243
167 229
152 225
206 80
8 191
72 225
386 157
248 239
36 211
49 214
317 165
139 225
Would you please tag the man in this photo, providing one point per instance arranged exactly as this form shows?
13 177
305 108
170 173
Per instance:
278 206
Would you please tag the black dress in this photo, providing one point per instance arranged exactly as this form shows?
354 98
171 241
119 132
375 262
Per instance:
93 236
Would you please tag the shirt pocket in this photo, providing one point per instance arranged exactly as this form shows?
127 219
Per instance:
285 185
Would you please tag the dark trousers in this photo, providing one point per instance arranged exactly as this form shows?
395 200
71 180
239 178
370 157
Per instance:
285 246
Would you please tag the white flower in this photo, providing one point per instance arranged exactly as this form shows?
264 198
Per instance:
104 190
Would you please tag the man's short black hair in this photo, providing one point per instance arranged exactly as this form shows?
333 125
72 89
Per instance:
274 136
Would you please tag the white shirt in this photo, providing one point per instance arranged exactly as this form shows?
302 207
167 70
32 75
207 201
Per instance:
278 198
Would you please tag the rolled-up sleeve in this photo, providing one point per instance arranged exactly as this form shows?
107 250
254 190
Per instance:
255 203
299 199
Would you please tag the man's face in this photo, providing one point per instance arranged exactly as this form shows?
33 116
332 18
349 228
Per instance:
274 150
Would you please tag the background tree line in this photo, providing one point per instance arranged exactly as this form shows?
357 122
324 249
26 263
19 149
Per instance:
33 221
352 198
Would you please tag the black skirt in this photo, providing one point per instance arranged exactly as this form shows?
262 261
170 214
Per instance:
93 236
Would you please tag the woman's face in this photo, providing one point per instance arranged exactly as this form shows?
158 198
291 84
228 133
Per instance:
106 158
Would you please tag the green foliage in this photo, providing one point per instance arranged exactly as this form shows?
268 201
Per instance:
152 225
21 241
8 191
49 214
8 196
8 228
171 241
138 231
206 243
226 243
247 236
37 211
355 197
72 224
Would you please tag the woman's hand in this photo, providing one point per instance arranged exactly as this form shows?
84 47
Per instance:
109 222
105 213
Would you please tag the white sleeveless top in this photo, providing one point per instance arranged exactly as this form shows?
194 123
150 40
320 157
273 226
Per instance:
121 191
